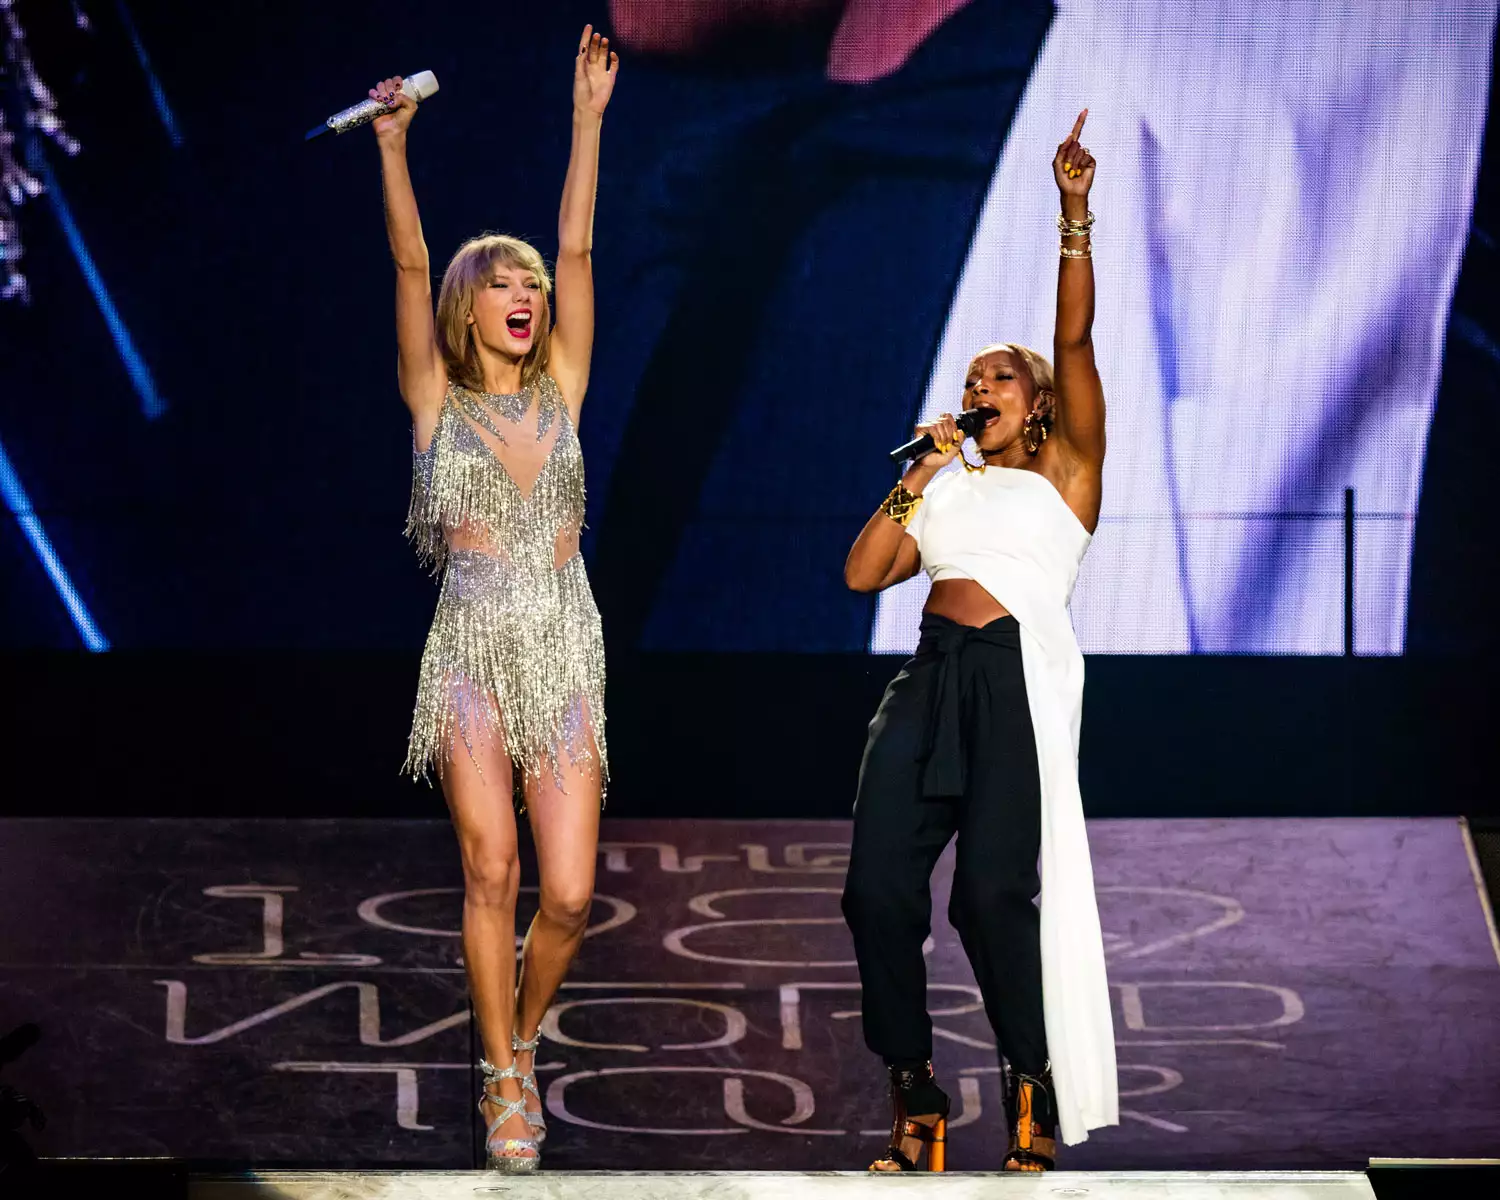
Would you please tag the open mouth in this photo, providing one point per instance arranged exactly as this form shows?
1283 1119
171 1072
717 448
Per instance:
518 324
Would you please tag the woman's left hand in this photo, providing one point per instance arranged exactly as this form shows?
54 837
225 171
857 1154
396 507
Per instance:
1073 166
594 73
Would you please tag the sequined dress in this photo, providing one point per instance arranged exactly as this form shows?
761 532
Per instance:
516 646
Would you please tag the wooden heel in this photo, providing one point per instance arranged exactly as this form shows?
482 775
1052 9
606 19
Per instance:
937 1148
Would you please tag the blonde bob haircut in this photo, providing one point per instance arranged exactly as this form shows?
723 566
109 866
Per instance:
1040 370
472 268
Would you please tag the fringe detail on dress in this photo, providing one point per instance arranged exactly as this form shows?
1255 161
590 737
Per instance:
534 677
515 647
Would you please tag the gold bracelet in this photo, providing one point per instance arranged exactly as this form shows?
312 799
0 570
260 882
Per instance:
1084 251
1074 228
901 505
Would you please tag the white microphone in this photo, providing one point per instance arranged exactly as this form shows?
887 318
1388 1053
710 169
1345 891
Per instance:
418 87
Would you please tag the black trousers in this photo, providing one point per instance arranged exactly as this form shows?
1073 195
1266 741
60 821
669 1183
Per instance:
951 751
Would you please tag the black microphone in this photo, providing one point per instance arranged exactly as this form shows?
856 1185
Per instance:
969 423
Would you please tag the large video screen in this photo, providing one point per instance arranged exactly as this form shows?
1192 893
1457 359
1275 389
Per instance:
811 213
1282 215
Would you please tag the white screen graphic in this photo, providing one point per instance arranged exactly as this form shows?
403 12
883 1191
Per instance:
1283 197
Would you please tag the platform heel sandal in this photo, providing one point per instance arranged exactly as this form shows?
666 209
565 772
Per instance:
534 1116
512 1156
1032 1117
914 1091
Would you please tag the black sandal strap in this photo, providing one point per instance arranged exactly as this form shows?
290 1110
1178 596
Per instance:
895 1155
1029 1157
923 1132
919 1091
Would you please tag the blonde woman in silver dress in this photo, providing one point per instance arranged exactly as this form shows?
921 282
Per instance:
512 679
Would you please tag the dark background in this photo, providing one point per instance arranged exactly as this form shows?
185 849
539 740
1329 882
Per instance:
243 553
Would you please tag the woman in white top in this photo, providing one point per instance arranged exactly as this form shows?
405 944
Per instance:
977 737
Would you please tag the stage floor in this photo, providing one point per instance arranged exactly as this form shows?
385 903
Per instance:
1288 994
587 1185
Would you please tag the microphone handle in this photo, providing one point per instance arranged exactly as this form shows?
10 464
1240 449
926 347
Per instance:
969 424
351 118
915 448
418 87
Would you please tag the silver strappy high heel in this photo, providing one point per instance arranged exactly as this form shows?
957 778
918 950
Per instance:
534 1116
506 1154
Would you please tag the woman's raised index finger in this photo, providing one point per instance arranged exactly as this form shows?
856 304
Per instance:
1078 125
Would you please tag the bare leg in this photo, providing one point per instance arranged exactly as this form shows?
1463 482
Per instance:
565 827
478 790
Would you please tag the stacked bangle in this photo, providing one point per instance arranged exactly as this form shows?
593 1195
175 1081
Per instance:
1076 229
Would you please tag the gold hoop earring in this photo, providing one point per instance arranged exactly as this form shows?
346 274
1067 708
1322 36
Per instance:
1034 431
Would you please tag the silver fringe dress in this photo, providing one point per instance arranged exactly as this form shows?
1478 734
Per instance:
516 647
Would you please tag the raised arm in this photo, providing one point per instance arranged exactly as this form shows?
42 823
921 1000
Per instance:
419 366
594 74
1080 395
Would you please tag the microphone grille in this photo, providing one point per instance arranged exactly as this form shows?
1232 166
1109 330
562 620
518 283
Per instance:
420 86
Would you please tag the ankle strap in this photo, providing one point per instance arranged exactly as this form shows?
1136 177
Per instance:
914 1090
517 1042
492 1073
908 1077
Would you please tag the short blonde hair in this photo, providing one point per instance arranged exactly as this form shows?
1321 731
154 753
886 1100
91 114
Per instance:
1039 368
471 268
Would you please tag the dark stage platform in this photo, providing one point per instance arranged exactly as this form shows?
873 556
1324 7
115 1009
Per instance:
1288 994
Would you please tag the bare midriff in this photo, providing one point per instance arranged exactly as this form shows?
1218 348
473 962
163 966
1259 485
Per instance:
471 537
964 601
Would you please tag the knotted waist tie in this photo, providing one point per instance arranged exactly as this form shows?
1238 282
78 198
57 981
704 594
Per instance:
966 662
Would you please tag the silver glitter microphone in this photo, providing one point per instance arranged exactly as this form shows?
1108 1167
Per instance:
418 87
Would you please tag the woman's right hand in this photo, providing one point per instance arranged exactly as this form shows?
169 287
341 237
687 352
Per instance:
402 108
946 438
